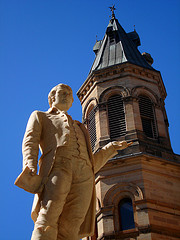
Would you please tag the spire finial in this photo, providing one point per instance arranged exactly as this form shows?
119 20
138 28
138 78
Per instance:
112 10
96 39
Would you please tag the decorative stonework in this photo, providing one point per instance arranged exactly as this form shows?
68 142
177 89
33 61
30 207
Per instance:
91 101
121 190
117 72
142 90
125 92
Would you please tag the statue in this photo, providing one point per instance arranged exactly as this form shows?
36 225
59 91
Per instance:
64 203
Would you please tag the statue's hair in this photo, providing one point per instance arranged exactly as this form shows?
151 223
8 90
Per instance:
51 95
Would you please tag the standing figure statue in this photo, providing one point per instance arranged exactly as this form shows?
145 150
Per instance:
64 203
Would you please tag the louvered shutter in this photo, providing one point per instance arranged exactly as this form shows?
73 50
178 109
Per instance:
116 116
147 116
92 128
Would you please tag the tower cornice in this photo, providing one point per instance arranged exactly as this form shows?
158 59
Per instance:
120 71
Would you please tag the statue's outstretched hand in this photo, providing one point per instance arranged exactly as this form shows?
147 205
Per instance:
121 145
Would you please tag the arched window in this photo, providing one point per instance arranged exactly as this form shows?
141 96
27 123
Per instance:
126 214
116 116
147 116
91 124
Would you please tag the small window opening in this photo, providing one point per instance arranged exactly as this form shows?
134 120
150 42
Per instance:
126 214
111 37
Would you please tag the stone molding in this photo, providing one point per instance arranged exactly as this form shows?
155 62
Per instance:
92 101
142 90
122 190
117 72
123 91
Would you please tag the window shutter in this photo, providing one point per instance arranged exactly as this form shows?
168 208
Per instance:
147 116
116 116
92 127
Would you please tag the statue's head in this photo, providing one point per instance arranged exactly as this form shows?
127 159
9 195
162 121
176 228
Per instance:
61 97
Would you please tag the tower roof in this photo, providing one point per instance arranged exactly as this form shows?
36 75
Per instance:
118 47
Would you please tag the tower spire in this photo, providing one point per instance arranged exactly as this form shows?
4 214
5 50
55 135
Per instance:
112 10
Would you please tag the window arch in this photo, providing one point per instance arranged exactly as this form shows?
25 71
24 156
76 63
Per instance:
147 116
91 124
126 214
116 116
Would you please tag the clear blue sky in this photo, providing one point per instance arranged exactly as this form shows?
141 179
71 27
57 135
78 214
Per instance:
45 42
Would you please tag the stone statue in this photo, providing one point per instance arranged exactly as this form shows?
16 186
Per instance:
64 203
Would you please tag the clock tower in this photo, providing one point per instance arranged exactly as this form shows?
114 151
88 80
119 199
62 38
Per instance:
138 191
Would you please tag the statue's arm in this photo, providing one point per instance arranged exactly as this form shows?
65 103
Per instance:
107 152
31 140
101 157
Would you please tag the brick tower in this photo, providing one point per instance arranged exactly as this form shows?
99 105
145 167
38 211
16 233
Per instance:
138 191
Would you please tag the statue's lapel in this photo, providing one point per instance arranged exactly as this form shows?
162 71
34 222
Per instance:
86 134
65 127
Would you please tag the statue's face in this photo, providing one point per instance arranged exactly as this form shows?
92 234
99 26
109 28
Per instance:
63 99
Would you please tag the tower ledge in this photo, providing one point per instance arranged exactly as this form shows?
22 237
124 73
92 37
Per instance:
120 71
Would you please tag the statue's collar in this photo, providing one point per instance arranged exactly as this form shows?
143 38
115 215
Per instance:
55 110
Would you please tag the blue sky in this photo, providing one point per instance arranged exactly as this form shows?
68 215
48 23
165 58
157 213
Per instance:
46 42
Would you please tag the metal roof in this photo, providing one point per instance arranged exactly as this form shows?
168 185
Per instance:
118 47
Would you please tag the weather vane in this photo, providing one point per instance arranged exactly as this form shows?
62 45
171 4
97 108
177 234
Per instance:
112 10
